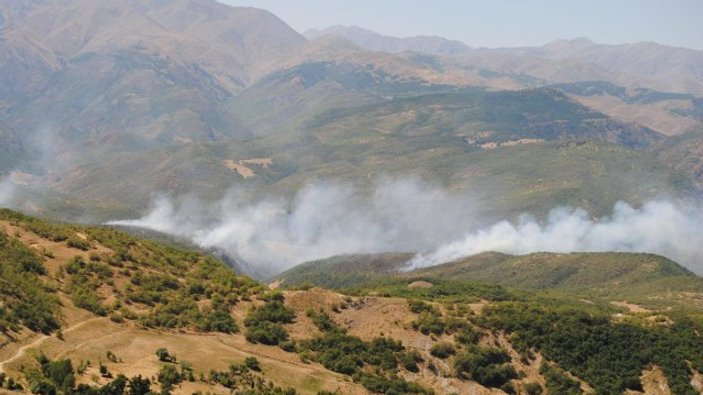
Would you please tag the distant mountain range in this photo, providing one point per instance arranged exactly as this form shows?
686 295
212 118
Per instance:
646 64
376 42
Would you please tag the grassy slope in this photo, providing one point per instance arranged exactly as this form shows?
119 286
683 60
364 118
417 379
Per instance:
607 275
345 271
38 293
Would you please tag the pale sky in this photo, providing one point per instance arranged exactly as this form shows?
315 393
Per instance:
495 23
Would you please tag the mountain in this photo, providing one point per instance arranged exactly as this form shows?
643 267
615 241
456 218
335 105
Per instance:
124 75
673 69
91 309
109 104
376 42
644 64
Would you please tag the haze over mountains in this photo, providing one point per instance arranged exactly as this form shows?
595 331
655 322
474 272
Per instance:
106 104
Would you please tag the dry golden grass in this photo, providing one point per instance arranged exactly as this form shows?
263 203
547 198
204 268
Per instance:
90 340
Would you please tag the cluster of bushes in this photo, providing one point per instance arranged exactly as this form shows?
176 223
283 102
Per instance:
58 377
265 323
431 322
78 243
346 354
182 311
389 384
609 355
321 319
85 279
442 290
342 353
442 350
169 377
558 382
24 298
241 379
489 366
9 383
155 272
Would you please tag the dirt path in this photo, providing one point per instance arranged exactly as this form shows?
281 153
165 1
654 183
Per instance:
22 351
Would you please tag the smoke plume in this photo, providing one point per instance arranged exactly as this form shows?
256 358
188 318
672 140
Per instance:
320 221
7 191
325 219
657 227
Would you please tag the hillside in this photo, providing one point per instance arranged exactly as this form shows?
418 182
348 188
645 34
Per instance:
110 312
609 275
104 106
667 113
600 273
464 140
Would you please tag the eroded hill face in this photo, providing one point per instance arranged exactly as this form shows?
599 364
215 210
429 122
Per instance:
115 305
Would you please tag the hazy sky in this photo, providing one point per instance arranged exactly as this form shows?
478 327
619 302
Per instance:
494 23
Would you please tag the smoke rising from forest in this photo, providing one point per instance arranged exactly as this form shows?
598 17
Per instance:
326 219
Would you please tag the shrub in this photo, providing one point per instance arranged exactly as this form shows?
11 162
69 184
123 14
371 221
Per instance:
252 363
321 320
487 366
78 243
274 311
410 359
419 306
264 323
392 384
268 333
468 336
442 350
165 356
558 382
168 377
139 386
534 389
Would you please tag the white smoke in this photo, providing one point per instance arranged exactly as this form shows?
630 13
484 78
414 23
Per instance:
324 220
7 191
657 227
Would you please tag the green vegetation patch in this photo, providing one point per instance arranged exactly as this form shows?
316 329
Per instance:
25 299
158 285
609 355
265 323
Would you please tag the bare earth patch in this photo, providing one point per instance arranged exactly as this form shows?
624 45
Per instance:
420 284
632 307
243 168
653 383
